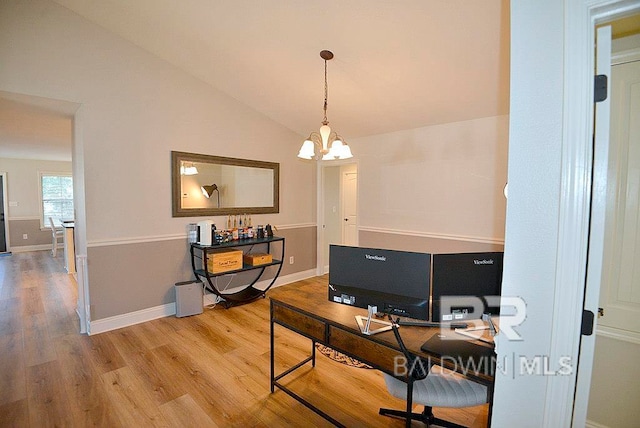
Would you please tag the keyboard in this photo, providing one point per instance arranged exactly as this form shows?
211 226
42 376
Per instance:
418 323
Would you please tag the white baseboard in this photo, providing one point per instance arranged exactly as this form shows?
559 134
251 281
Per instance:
28 248
169 309
618 334
591 424
288 279
131 318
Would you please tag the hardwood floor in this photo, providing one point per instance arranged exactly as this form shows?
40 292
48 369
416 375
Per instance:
203 371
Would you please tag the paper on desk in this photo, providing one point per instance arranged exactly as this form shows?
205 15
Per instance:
481 332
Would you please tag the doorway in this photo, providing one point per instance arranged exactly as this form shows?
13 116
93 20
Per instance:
59 138
337 209
4 231
603 165
617 341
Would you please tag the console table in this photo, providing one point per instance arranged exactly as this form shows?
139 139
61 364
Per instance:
248 292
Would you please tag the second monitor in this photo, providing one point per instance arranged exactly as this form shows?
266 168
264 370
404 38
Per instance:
465 285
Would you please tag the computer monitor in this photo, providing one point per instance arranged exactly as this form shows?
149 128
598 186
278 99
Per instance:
397 282
474 279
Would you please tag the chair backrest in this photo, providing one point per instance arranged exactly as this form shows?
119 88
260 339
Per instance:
55 232
416 366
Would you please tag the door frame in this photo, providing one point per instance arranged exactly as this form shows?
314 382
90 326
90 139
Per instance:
343 174
581 18
5 205
320 205
83 305
617 58
597 224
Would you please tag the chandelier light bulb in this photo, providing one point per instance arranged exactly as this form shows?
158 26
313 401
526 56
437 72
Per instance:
325 131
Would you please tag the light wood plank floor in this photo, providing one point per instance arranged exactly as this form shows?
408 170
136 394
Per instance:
203 371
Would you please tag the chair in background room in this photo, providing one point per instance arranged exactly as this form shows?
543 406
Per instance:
431 387
56 234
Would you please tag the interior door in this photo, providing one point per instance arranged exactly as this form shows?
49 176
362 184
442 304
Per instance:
596 229
349 208
3 235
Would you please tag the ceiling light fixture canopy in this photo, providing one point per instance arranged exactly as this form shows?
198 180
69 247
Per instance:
331 146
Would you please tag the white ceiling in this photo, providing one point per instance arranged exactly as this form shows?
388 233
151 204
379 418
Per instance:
399 64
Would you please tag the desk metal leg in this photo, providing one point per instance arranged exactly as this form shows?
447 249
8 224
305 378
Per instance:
275 379
273 373
490 392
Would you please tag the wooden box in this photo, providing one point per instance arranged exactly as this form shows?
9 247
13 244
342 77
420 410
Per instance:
257 259
224 260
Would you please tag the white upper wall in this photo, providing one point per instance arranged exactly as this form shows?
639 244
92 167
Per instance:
439 180
136 108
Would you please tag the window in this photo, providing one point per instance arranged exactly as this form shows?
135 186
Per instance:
56 196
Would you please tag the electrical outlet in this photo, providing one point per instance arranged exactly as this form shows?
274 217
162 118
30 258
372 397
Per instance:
25 236
291 260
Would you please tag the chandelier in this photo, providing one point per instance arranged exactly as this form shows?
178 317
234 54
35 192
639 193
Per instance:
330 145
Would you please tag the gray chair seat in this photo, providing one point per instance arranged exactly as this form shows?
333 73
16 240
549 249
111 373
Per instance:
436 387
440 389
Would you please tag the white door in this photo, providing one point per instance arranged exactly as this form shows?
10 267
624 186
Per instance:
349 208
597 233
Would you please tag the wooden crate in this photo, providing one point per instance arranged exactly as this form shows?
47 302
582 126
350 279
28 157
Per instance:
256 259
224 261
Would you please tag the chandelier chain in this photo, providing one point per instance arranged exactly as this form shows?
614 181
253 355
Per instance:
326 93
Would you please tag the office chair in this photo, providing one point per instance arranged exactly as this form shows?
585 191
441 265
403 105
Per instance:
431 387
55 234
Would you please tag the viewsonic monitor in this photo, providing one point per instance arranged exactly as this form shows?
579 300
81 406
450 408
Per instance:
474 278
397 282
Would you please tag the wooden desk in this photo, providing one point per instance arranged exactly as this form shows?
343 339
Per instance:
306 310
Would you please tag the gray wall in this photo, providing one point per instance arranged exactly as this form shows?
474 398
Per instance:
424 244
35 235
138 276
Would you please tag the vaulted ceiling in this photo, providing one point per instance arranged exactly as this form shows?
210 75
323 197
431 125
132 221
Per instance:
398 64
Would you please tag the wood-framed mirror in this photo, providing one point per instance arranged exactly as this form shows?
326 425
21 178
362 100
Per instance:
204 185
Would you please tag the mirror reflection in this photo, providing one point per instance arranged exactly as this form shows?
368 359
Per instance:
213 185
